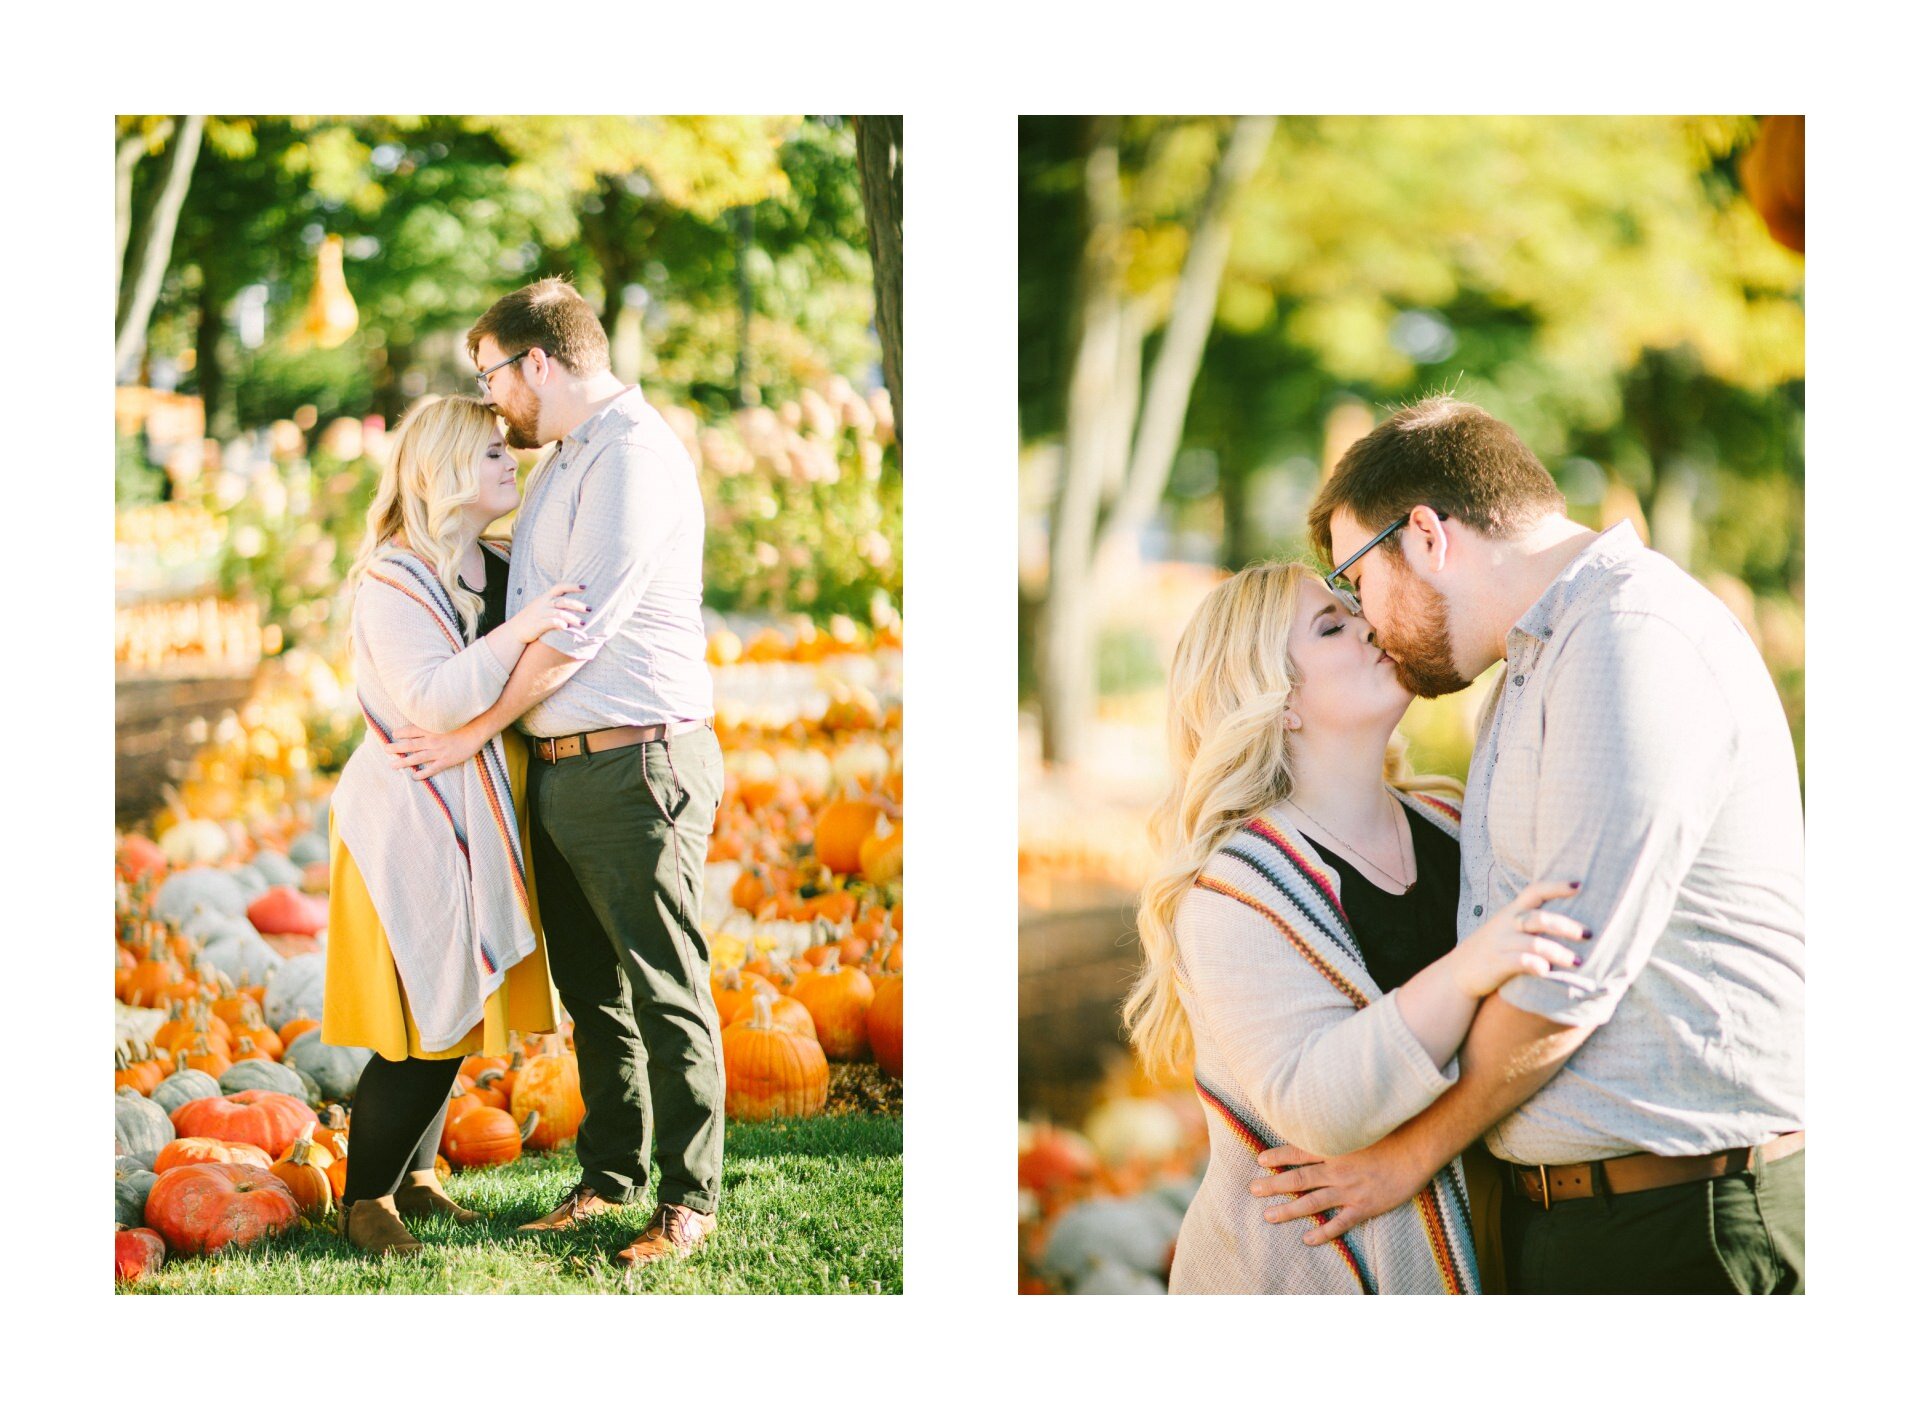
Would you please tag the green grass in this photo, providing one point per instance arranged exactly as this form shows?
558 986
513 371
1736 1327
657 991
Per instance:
807 1207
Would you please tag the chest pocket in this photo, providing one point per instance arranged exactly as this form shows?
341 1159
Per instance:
1514 787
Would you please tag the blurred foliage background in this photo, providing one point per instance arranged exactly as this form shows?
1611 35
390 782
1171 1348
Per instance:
1213 309
289 286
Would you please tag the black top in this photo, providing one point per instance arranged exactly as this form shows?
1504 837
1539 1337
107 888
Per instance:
493 593
1400 935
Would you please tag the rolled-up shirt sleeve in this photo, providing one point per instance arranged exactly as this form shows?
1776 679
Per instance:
630 509
1636 759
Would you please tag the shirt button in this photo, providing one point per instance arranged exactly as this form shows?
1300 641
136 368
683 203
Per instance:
1547 634
1519 681
1476 910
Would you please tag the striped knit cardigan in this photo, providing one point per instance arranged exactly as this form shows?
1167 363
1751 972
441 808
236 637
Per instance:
441 858
1293 1043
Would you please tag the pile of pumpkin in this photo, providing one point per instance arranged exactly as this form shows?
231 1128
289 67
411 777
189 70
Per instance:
1100 1207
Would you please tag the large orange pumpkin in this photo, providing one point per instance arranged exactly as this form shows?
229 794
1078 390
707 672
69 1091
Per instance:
205 1208
840 829
270 1120
838 1000
770 1070
882 855
550 1086
883 1024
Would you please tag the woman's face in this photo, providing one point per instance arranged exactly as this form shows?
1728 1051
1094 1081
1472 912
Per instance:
498 475
1342 679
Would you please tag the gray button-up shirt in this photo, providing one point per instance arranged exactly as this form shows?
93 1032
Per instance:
617 507
1637 745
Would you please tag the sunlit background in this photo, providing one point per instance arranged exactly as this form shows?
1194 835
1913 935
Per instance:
1211 311
289 287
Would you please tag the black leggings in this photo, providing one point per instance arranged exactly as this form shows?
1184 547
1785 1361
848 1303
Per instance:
398 1113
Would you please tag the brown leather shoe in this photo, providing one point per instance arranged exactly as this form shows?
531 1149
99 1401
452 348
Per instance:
674 1233
580 1205
420 1194
373 1226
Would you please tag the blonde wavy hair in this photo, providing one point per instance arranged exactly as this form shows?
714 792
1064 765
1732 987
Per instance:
429 479
1231 760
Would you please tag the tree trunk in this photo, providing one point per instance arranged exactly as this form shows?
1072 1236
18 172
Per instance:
1097 426
126 158
1170 385
1104 457
878 143
150 257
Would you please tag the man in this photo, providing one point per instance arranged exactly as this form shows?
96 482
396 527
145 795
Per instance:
625 774
1648 1104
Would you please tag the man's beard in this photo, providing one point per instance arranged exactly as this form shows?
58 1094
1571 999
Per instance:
1424 662
523 430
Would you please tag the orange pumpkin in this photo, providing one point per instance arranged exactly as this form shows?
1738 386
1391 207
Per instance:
268 1120
303 1170
486 1136
840 829
294 1027
549 1085
203 1208
884 1027
882 855
207 1150
331 1132
771 1071
733 992
838 1000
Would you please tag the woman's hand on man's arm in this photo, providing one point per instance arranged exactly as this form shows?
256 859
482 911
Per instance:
540 672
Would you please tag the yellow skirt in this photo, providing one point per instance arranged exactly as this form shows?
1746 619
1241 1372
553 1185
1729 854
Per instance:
366 1006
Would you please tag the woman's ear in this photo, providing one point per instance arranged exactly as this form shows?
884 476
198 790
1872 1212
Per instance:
1425 537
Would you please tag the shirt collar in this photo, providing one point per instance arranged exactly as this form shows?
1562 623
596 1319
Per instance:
615 415
1613 546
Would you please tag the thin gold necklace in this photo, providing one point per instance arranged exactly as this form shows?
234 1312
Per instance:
1406 861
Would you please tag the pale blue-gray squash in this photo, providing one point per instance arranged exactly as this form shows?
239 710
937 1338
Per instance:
262 1074
249 879
127 1164
238 952
309 847
277 870
337 1070
130 1189
1106 1278
187 1085
296 989
198 888
1136 1234
140 1126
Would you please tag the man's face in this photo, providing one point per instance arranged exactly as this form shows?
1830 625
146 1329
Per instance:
508 393
1408 615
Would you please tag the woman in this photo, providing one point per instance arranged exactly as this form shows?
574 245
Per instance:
433 943
1299 937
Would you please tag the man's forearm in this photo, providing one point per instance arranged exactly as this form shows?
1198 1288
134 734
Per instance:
1509 1055
539 673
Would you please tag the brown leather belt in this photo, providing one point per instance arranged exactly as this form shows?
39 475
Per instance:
604 741
1547 1185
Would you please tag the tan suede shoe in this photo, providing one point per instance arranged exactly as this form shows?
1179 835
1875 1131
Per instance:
580 1205
420 1194
373 1226
674 1233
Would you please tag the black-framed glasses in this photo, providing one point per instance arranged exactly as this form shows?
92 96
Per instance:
1336 581
481 378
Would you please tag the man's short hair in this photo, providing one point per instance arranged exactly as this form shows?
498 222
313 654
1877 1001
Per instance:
550 315
1448 455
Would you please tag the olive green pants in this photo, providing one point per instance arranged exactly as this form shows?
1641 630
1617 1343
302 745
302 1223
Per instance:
1742 1233
619 855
